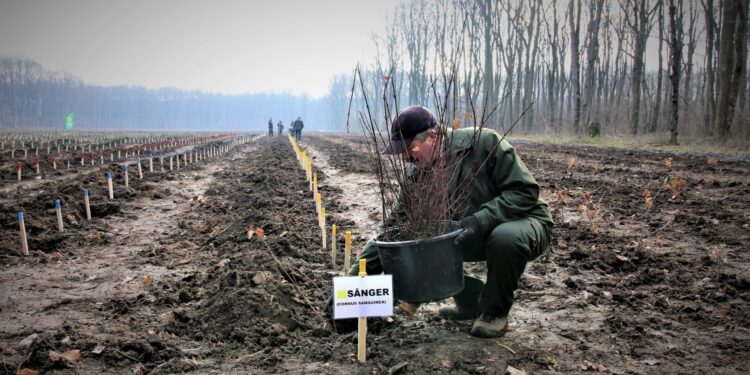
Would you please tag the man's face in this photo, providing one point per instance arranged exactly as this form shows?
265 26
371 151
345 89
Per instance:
419 152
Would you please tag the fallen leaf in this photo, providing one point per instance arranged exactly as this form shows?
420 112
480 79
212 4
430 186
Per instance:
25 371
514 371
98 349
72 356
260 232
148 280
622 258
446 363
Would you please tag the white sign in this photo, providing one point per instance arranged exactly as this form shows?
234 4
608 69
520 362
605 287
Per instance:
359 297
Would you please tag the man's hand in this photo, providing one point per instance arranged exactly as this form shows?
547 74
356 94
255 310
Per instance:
470 224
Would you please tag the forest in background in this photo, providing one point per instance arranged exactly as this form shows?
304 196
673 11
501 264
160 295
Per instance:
648 68
662 68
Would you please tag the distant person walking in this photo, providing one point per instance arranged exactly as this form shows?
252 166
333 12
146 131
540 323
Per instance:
297 125
280 125
270 127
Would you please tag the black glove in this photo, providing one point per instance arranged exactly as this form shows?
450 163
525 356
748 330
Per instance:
470 224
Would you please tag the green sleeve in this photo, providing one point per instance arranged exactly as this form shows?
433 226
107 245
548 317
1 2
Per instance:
517 192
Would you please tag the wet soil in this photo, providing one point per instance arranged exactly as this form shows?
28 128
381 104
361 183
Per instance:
169 281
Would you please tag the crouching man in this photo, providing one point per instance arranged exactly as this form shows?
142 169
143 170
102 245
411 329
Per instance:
506 224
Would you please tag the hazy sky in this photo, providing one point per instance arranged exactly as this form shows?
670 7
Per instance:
220 46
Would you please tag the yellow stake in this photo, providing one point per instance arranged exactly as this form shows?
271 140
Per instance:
347 250
362 323
323 225
333 245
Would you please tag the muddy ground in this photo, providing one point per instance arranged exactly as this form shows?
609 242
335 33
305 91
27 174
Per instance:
164 279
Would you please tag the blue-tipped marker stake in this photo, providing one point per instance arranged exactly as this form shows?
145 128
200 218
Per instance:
58 212
87 204
109 185
22 230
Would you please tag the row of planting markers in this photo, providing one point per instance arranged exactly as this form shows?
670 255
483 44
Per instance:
312 178
133 148
202 154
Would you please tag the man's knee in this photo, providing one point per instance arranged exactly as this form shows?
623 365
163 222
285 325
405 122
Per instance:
514 238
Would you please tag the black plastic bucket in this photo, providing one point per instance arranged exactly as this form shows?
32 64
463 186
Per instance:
424 270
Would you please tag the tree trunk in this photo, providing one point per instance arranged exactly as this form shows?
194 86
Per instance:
710 108
574 13
724 110
675 47
660 74
592 55
737 92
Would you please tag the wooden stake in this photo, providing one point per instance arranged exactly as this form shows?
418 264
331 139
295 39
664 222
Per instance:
22 232
362 323
109 185
87 204
323 226
58 212
20 168
126 176
315 183
140 172
333 245
347 251
151 164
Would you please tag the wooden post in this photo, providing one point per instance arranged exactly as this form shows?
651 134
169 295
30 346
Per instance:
22 233
151 164
362 323
109 185
58 212
315 183
126 176
140 171
86 204
323 226
19 166
347 251
333 245
170 162
36 163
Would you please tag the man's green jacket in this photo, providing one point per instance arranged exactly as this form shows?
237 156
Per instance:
497 185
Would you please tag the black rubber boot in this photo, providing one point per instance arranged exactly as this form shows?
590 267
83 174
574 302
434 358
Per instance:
459 312
489 326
